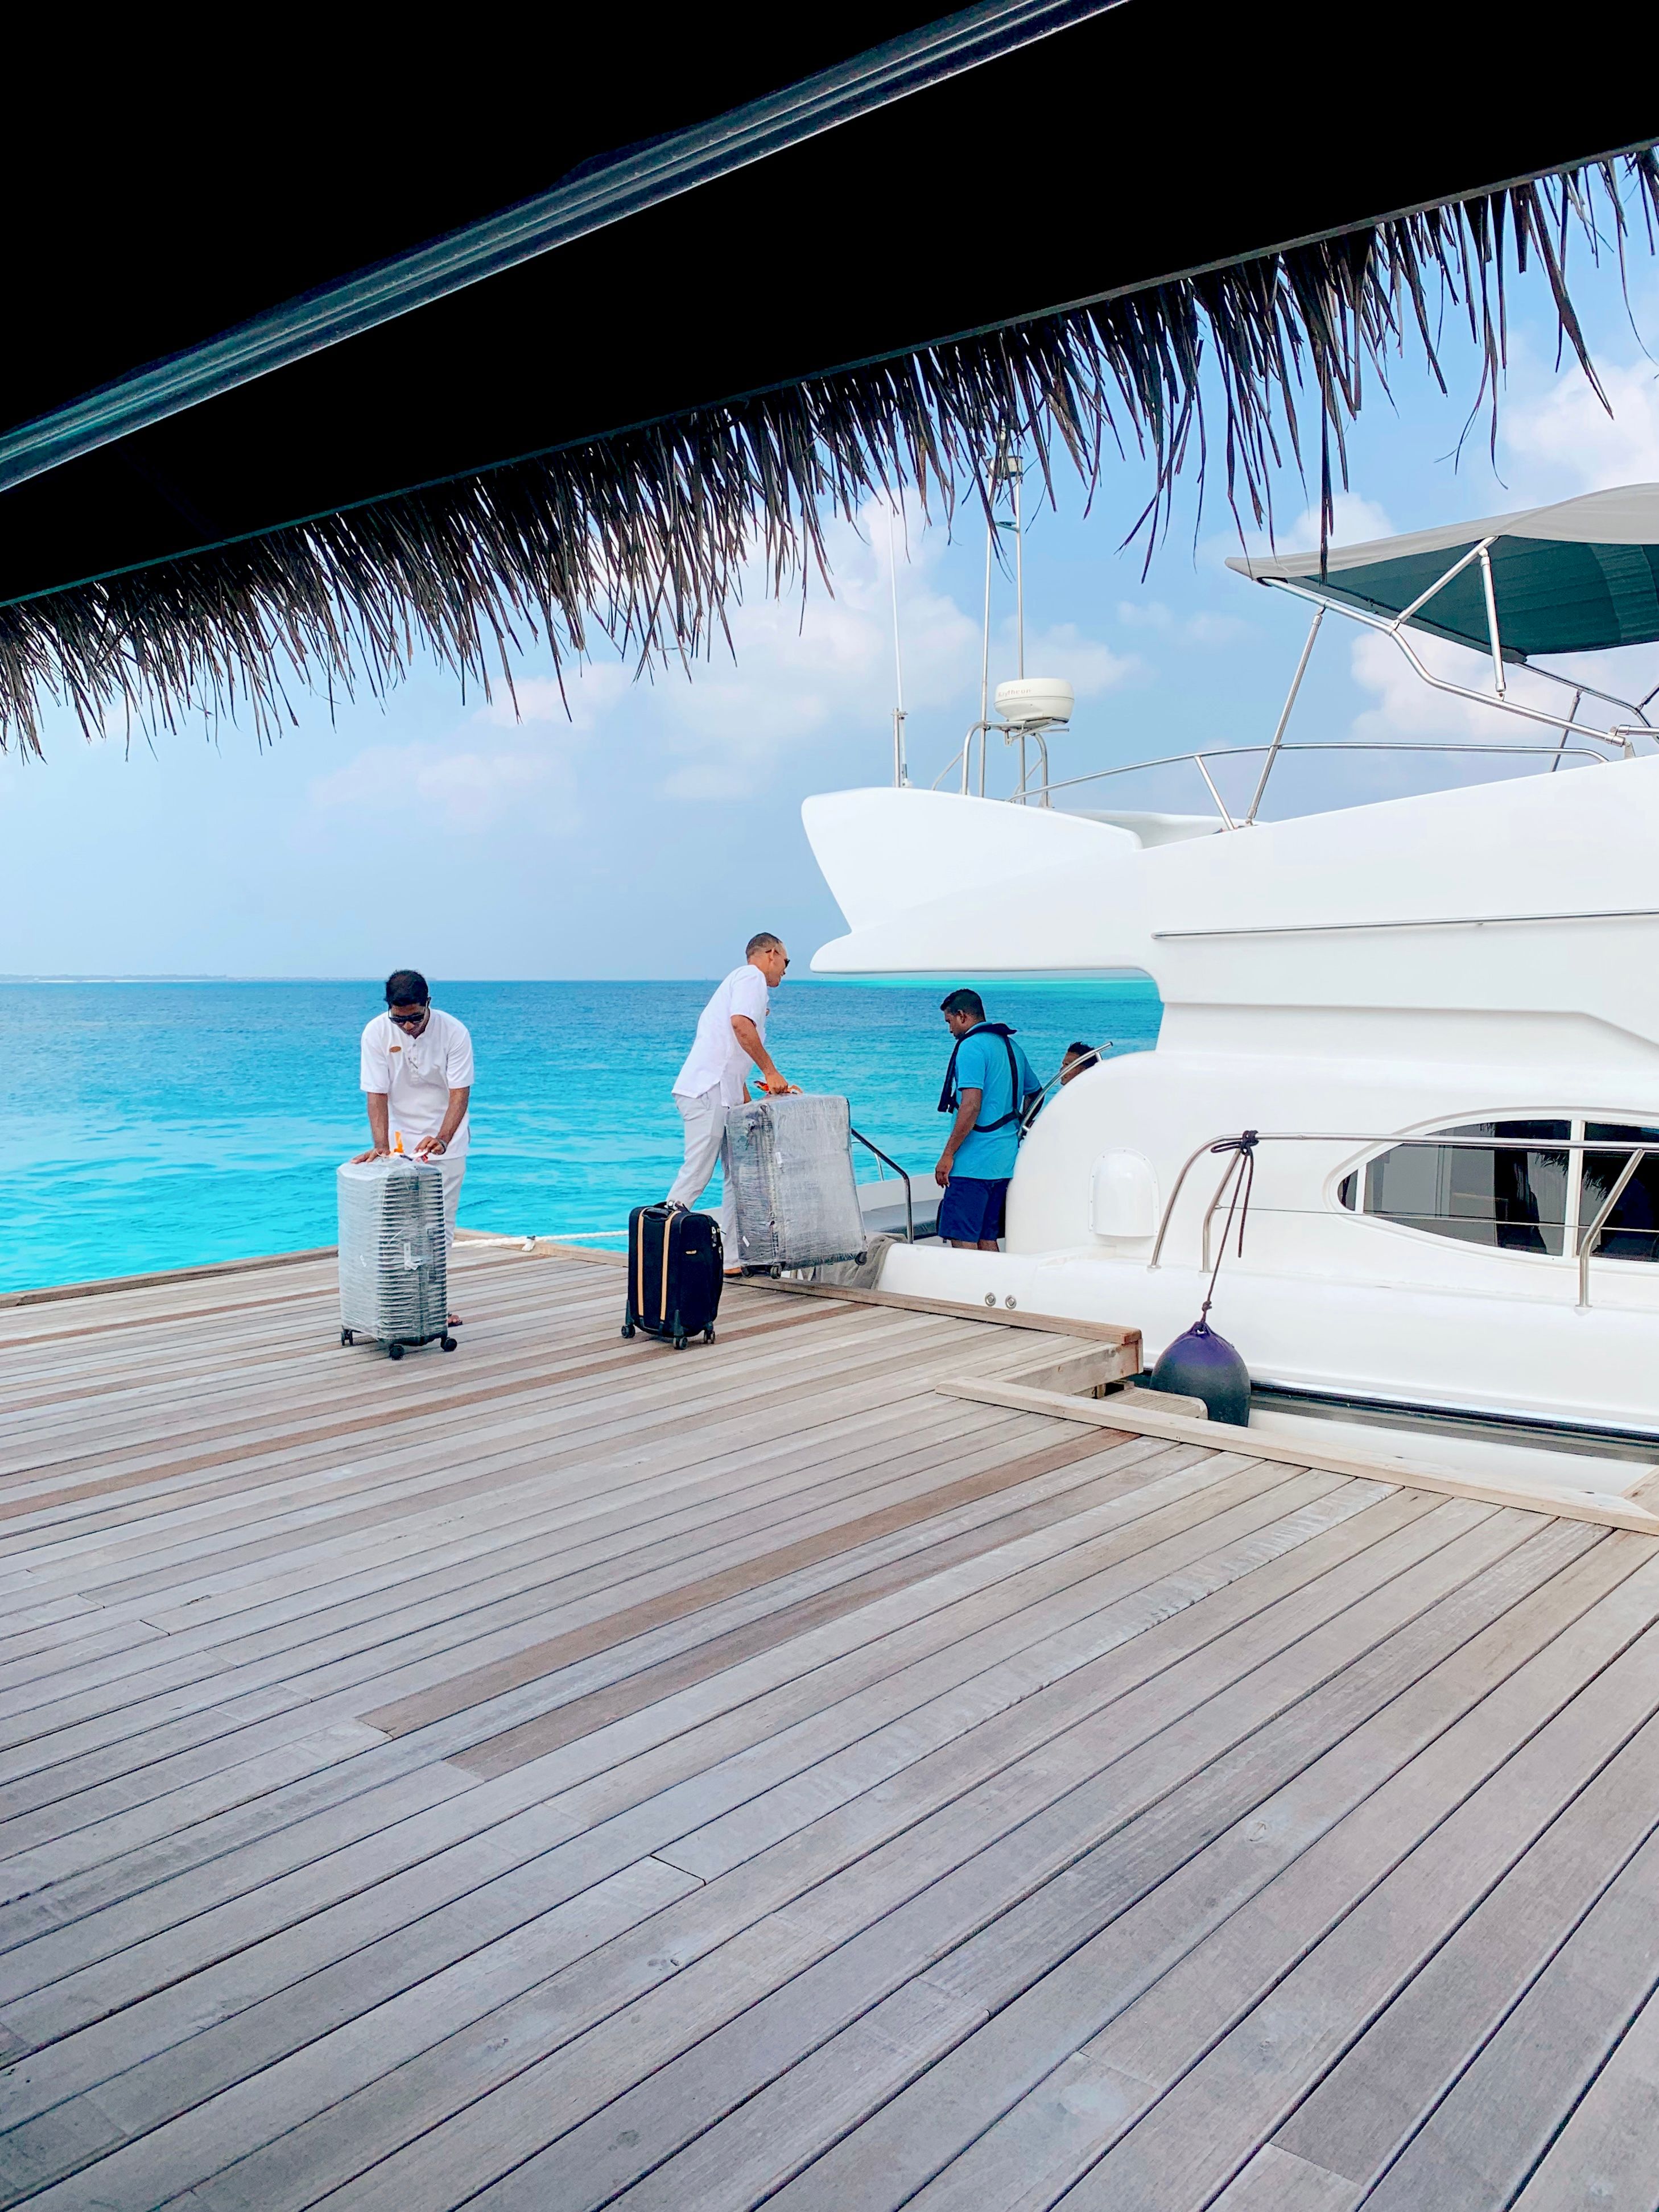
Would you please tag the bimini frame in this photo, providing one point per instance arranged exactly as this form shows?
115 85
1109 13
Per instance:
1622 734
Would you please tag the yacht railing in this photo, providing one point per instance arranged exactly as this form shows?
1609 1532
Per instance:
1588 1237
1621 735
1554 754
858 1137
1026 791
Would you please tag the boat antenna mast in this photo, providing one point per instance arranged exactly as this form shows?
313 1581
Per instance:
900 767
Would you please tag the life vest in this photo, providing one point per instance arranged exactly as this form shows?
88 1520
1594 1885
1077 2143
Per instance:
948 1099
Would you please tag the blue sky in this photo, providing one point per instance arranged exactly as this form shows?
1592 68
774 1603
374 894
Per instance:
651 833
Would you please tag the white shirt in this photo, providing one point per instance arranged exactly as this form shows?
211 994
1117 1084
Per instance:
417 1074
716 1060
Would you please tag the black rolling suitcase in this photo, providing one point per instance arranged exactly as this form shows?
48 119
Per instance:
674 1271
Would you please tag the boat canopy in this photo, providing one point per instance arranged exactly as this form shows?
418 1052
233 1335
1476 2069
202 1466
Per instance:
1576 577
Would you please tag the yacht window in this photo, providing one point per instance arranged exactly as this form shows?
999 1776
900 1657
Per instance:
1632 1230
1348 1191
1507 1196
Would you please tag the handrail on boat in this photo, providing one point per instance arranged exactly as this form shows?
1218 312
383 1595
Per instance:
909 1211
1552 753
1588 1238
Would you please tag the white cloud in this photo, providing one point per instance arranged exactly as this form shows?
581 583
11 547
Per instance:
1089 667
818 670
1206 629
589 691
1150 614
814 671
1354 521
1218 630
799 667
1564 441
707 780
469 789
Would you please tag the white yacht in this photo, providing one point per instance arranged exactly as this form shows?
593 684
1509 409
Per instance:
1438 1016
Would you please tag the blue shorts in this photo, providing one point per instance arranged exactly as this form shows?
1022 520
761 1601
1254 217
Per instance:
970 1211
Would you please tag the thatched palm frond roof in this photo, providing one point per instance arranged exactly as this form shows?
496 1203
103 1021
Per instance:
1052 235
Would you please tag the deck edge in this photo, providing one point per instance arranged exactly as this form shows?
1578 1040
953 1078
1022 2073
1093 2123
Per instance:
1603 1509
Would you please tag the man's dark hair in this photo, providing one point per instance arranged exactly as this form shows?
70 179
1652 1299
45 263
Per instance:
964 1002
406 987
1077 1050
762 941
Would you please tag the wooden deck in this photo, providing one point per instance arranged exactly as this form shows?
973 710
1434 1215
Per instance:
569 1773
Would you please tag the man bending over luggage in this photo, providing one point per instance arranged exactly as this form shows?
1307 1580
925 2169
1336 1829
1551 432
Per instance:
987 1085
731 1039
417 1072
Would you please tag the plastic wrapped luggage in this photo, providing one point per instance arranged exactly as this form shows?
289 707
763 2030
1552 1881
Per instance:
394 1281
790 1160
675 1266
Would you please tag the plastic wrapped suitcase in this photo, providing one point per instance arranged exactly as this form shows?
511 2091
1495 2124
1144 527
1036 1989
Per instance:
675 1264
796 1199
394 1281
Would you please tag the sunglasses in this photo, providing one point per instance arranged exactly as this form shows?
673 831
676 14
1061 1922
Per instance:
408 1021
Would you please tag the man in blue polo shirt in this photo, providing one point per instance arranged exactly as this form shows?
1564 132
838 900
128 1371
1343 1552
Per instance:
987 1085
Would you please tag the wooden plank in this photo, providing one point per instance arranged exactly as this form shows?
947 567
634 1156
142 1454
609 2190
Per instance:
57 1292
887 1695
547 1657
1280 1877
1603 1508
181 1899
1274 2181
98 1750
569 1566
119 1577
677 1746
1125 1340
986 1808
1359 2118
1249 1523
106 1472
116 1796
534 1738
536 1461
395 1575
58 2142
776 2130
355 1404
1603 2159
1225 2091
874 1855
1497 2120
88 2057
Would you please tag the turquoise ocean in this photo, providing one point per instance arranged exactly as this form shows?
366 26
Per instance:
155 1125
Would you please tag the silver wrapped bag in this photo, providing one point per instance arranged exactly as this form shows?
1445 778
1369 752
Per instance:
796 1200
393 1273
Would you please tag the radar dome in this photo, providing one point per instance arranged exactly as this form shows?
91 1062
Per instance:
1034 703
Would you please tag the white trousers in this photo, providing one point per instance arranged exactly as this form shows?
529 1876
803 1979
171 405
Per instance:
704 1117
454 1174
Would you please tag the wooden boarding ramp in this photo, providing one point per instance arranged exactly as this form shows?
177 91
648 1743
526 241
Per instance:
571 1773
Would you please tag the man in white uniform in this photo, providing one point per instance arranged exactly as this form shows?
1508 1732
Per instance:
418 1073
731 1039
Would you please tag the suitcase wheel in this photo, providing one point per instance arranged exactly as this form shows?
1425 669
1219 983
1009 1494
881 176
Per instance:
445 1344
345 1336
628 1328
708 1336
679 1344
774 1271
394 1352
